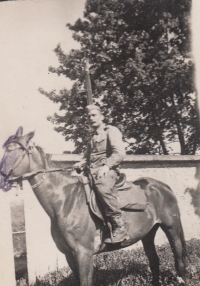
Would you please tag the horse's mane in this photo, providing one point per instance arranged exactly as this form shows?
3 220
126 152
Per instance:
49 163
40 150
46 157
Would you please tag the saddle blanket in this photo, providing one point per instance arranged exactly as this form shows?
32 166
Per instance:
131 197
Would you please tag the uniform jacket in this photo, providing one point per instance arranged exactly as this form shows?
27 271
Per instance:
105 148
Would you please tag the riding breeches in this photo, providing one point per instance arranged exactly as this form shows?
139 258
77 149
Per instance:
104 188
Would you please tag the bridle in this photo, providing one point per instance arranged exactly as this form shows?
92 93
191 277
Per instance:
16 164
28 151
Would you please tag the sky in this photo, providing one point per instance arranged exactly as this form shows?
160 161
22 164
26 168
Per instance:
29 31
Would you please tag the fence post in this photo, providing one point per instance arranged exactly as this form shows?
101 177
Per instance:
7 268
42 253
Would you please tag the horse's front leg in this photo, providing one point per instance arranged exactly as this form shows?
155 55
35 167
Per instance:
81 263
85 267
79 258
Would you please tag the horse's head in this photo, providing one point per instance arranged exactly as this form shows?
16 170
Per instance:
16 148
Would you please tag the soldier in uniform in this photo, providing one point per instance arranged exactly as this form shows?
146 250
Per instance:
104 153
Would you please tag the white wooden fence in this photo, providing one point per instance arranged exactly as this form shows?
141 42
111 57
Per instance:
42 255
7 270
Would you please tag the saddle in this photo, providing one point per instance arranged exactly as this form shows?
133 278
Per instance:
130 196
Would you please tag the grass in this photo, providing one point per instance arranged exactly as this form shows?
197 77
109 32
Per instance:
129 267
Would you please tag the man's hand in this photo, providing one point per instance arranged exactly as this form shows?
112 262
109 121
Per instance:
78 167
103 171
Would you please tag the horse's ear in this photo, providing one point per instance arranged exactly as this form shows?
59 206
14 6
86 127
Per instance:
30 135
19 132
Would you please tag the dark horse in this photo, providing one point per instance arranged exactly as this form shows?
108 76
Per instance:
75 230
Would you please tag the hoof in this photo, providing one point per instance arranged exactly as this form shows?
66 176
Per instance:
153 283
180 281
156 282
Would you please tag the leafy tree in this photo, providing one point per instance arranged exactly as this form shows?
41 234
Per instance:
142 74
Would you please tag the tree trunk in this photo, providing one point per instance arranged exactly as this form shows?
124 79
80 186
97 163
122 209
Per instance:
184 151
163 146
197 137
162 143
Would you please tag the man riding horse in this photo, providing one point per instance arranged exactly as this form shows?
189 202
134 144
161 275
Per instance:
104 153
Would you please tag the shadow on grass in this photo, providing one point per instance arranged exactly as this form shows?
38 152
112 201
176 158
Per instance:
137 275
127 268
69 281
132 274
105 277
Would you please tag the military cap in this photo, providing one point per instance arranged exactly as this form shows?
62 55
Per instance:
92 107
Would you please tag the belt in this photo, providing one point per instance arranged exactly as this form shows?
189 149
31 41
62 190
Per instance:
95 166
98 164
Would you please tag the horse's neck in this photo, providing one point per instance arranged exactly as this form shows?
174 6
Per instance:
49 192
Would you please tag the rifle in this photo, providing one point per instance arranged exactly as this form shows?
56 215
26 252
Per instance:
88 83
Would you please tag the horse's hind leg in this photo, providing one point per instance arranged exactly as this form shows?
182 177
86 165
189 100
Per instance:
175 236
149 248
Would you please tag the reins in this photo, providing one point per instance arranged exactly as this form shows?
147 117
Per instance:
44 171
30 174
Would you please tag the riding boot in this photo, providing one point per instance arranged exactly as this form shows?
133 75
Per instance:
117 230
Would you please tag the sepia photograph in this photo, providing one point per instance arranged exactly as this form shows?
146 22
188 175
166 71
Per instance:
100 143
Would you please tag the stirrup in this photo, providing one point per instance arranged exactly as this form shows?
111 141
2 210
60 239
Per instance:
125 241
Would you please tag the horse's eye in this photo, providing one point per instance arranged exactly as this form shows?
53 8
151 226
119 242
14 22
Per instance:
10 148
